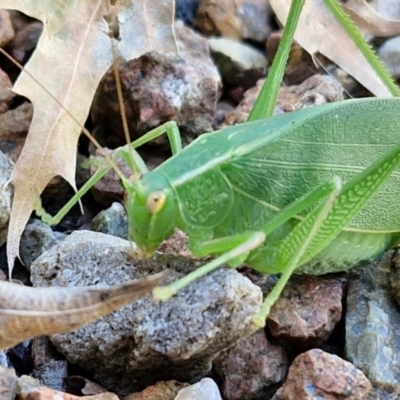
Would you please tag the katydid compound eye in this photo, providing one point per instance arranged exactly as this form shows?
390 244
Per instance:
156 201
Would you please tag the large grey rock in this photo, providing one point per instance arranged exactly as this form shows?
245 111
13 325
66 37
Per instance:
147 341
373 324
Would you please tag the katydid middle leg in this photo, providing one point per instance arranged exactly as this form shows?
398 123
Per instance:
300 247
131 157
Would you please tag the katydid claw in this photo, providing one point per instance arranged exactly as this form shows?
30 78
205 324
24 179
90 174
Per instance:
163 293
259 319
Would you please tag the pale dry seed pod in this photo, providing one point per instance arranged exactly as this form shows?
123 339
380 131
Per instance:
26 312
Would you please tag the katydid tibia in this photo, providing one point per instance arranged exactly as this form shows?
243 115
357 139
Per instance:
266 192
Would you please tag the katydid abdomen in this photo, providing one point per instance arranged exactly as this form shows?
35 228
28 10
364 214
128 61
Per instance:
236 179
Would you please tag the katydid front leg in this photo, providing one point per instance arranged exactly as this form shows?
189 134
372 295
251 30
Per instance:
131 157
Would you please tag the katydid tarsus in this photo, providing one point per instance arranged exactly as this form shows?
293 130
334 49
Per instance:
267 193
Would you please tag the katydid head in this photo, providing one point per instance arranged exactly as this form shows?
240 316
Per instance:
152 210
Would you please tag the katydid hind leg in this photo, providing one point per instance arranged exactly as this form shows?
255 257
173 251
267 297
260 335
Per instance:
235 247
301 204
305 232
352 199
250 242
224 244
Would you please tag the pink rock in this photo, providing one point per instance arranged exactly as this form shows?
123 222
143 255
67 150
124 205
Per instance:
43 393
252 368
308 309
319 375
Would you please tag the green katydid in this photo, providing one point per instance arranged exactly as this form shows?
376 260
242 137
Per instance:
225 189
257 193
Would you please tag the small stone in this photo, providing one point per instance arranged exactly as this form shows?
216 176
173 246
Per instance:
52 374
206 389
42 351
8 383
315 91
25 40
14 126
112 221
234 58
161 87
83 386
235 19
25 384
178 244
6 94
252 368
35 240
388 8
163 390
319 375
4 361
43 393
308 309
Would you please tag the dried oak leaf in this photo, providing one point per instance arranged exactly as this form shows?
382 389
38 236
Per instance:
319 32
369 21
72 55
26 312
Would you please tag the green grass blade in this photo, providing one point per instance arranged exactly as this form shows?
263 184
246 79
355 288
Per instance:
266 100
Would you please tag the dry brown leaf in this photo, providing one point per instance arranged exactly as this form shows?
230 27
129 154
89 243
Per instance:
72 55
26 312
369 21
318 31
